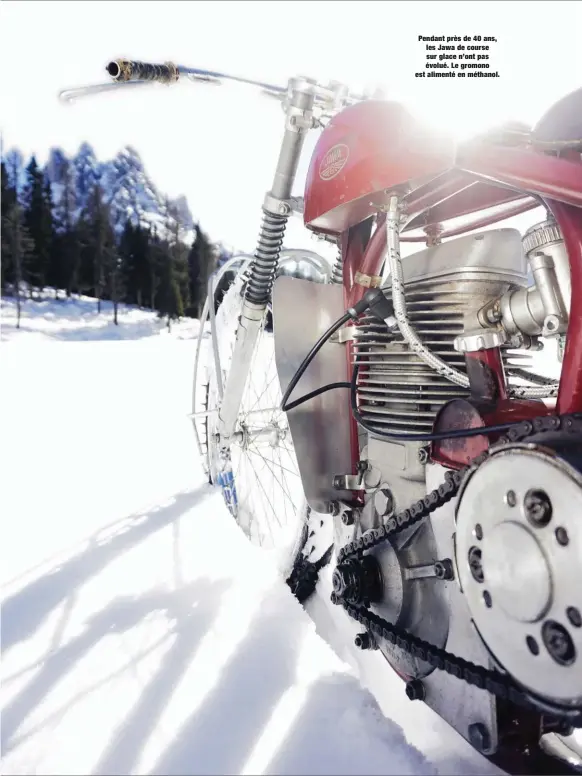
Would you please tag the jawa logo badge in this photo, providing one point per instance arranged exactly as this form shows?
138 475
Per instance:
333 162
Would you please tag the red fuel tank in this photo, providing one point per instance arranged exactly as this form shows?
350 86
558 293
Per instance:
364 150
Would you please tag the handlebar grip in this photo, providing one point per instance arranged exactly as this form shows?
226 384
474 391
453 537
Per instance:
126 70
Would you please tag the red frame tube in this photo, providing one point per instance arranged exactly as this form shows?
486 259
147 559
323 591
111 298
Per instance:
478 223
558 181
569 219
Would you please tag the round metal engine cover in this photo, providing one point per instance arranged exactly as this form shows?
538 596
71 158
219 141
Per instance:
519 562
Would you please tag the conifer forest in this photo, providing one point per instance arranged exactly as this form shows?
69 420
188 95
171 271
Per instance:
101 229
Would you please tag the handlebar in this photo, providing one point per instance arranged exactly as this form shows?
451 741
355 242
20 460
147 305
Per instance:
126 73
123 70
126 70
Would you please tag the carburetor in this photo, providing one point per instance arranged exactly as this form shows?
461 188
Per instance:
543 308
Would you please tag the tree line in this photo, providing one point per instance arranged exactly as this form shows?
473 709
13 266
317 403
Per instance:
48 241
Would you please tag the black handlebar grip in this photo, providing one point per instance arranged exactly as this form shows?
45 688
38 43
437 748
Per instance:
126 70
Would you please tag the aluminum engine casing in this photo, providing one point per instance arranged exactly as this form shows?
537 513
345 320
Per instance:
445 287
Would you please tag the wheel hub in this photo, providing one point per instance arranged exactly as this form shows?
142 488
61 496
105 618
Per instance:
513 553
271 434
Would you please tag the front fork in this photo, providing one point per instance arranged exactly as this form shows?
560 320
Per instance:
276 211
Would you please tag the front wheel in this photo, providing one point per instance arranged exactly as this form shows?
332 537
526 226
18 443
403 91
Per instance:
259 477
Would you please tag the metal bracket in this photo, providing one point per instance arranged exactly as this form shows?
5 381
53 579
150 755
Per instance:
348 481
355 481
343 335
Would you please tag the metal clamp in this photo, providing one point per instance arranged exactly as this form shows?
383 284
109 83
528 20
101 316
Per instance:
283 207
299 120
368 281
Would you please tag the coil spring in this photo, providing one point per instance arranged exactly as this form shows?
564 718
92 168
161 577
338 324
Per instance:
264 267
337 275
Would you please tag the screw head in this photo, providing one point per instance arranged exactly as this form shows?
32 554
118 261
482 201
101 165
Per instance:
558 642
537 507
476 564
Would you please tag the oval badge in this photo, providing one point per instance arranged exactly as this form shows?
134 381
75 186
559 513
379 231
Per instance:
334 161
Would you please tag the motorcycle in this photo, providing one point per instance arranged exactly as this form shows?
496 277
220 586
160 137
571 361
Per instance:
387 424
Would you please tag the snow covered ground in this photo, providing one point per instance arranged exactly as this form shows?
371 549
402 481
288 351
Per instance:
141 632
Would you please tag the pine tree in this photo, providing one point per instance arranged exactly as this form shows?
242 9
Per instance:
115 284
7 200
66 245
39 223
173 294
169 300
201 264
156 262
14 162
138 264
101 242
16 244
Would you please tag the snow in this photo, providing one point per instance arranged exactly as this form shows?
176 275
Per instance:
141 631
76 320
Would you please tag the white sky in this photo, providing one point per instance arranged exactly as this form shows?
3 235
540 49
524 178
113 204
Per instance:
218 146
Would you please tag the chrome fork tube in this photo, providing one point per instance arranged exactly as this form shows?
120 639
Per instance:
276 211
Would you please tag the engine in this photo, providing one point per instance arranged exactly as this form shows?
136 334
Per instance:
492 591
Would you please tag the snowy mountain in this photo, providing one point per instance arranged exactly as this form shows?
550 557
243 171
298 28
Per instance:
127 188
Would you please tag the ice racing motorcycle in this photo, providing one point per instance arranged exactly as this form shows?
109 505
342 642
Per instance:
388 423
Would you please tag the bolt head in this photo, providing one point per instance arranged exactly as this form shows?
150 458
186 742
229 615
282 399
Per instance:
415 690
475 561
558 642
348 518
423 455
479 737
444 569
538 507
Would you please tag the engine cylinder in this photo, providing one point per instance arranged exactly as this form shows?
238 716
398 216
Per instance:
445 286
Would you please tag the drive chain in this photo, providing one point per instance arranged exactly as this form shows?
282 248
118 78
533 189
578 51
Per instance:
496 683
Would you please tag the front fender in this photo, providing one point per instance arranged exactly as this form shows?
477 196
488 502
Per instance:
320 428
